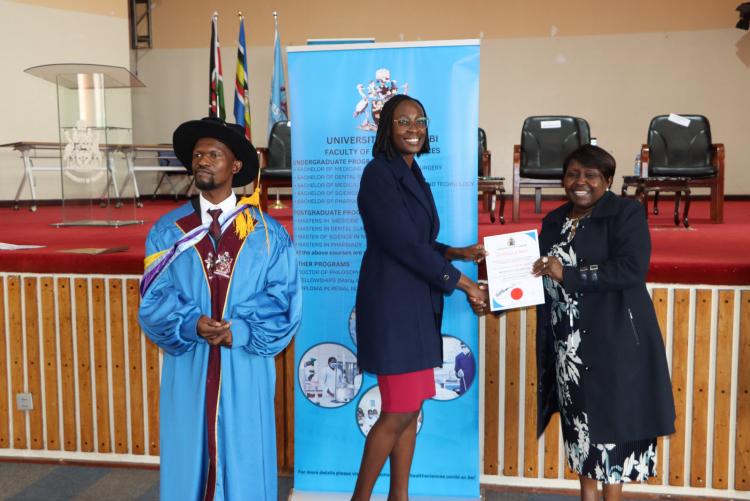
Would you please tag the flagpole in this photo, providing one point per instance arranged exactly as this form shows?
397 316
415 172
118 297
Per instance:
216 85
277 108
278 204
211 65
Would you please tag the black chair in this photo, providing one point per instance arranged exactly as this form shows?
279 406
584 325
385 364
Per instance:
483 158
492 189
538 160
680 146
483 162
276 160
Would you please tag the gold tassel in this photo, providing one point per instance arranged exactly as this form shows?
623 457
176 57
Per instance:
243 223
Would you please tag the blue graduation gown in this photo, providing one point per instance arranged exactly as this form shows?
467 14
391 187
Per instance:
263 304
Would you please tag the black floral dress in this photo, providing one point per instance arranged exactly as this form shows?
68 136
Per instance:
609 463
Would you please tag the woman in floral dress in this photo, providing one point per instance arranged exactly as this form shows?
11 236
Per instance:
600 356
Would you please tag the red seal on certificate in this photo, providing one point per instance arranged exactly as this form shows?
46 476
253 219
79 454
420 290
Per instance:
516 293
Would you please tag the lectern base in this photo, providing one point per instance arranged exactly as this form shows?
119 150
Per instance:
98 222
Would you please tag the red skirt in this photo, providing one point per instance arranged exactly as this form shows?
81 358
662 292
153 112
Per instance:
406 392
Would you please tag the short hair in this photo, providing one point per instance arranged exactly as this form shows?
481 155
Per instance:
592 157
383 143
332 359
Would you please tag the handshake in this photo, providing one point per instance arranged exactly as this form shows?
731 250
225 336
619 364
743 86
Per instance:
479 299
477 294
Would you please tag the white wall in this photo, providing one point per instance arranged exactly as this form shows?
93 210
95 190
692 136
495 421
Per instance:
617 82
177 90
33 35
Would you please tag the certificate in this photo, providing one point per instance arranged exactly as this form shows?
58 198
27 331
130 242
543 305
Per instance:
510 258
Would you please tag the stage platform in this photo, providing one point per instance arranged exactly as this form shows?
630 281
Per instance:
704 253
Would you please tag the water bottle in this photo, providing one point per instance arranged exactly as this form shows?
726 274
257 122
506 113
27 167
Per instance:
637 167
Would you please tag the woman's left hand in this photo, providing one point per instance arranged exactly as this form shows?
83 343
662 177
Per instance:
474 253
550 266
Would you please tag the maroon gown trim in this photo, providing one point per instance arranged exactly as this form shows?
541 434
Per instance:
218 266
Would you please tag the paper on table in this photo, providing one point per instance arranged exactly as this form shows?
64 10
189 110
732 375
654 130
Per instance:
509 261
6 246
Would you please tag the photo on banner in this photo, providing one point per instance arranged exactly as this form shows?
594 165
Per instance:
336 95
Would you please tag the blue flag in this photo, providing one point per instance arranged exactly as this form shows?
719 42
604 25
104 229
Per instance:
277 110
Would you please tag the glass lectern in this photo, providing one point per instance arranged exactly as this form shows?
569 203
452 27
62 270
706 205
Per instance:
94 124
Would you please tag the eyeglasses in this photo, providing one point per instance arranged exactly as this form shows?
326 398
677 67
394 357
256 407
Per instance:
404 123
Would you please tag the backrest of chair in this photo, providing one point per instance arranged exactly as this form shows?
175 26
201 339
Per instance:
547 140
482 147
583 128
280 146
166 157
679 141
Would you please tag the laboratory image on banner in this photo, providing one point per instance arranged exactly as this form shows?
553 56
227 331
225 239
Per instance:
368 411
336 95
328 375
459 368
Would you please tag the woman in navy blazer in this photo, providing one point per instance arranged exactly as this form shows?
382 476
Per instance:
405 273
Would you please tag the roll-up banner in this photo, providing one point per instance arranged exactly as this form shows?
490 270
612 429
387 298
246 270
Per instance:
336 94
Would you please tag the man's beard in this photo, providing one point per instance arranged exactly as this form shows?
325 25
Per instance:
205 184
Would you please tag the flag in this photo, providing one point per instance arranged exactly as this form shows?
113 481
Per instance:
216 83
241 94
277 110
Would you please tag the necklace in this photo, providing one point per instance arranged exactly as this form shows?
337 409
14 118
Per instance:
573 222
573 215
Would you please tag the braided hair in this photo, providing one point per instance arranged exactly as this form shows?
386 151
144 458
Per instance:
383 143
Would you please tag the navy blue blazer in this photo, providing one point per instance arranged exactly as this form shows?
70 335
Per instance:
625 375
404 272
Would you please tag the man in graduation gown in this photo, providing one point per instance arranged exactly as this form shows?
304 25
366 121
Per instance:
221 297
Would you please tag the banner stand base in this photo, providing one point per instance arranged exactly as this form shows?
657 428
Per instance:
295 495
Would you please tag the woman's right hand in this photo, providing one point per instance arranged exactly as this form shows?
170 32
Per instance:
477 295
550 266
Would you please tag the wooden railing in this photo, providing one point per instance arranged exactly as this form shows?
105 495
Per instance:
706 331
73 342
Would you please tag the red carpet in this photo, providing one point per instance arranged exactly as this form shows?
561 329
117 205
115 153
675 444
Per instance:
703 254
